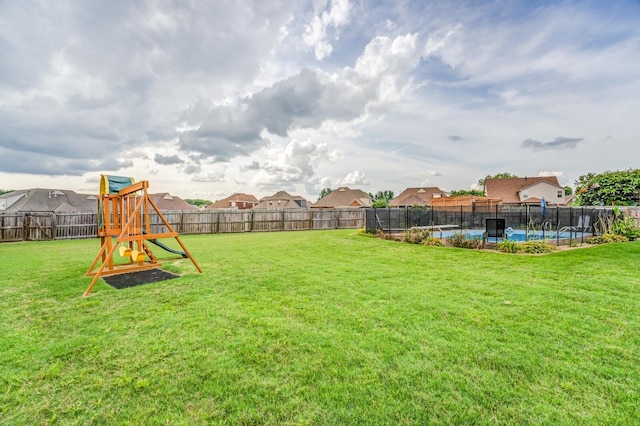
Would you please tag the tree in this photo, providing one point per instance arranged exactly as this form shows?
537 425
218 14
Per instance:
198 202
5 191
381 199
476 192
609 188
504 175
325 192
568 190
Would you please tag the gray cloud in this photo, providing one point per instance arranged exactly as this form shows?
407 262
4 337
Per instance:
306 100
556 144
454 138
192 169
72 87
34 163
231 131
167 159
254 165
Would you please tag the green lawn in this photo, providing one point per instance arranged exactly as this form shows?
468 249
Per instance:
323 327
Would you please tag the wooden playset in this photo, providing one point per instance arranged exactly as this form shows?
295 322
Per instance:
124 227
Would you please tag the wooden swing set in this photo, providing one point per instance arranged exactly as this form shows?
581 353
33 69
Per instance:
124 226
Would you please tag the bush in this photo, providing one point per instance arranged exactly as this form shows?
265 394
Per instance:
461 240
433 241
619 224
507 246
415 236
607 238
627 227
531 247
535 247
382 235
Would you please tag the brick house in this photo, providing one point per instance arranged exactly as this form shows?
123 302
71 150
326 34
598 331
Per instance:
421 196
526 190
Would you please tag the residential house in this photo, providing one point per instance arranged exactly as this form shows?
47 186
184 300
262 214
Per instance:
282 200
526 190
422 196
166 202
47 200
343 197
237 201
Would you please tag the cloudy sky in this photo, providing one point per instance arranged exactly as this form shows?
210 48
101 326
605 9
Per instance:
205 99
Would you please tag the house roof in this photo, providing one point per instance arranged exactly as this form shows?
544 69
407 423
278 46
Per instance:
420 196
47 200
508 188
281 200
238 197
343 197
166 201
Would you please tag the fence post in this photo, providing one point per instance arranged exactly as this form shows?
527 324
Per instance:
431 211
583 227
337 219
53 226
389 220
25 226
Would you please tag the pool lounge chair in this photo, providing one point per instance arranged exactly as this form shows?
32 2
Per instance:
583 225
494 229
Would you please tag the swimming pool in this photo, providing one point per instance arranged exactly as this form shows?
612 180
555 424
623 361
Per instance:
513 235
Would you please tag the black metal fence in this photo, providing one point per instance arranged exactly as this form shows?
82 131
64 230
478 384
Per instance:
580 221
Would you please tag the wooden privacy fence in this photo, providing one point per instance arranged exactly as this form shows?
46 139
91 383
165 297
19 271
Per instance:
43 226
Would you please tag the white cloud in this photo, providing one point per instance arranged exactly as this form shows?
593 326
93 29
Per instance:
549 173
315 34
353 178
438 39
295 165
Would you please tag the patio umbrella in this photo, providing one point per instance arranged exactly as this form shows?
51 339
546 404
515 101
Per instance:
543 207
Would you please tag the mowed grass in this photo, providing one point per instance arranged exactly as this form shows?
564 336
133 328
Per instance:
323 328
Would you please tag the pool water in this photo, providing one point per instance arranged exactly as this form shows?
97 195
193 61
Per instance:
517 235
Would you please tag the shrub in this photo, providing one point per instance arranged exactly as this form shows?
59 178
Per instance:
535 247
433 241
461 240
619 224
627 227
607 238
415 236
507 246
382 235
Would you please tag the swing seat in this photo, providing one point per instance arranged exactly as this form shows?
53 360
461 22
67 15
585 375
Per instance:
137 256
125 251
